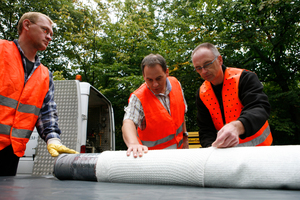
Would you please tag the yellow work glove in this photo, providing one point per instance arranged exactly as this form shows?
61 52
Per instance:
55 147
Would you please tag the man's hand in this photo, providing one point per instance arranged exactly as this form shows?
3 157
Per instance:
137 149
55 147
229 134
131 140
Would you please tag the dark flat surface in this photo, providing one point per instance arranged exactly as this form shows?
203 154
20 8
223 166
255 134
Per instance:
48 187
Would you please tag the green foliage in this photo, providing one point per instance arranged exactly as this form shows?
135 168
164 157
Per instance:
263 36
57 75
285 112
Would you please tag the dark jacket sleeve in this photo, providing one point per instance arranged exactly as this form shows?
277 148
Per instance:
256 104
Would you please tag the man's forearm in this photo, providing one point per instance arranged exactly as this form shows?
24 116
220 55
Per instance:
129 132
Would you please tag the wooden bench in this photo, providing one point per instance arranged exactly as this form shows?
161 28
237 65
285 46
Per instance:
194 141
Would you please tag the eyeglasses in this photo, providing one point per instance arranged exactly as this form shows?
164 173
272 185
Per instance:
45 30
206 66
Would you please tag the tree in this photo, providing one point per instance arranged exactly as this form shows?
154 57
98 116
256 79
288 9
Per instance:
184 25
71 19
121 48
263 36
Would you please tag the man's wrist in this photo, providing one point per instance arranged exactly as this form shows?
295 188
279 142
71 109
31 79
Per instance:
239 126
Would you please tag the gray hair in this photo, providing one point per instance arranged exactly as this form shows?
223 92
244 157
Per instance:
209 46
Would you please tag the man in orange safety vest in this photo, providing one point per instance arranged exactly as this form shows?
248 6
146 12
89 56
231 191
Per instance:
26 93
232 108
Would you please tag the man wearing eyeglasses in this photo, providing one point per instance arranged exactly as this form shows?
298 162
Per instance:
26 93
232 108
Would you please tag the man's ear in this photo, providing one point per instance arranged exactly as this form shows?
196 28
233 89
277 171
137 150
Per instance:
167 72
26 24
220 59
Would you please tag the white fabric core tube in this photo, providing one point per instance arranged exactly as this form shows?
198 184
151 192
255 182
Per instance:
273 167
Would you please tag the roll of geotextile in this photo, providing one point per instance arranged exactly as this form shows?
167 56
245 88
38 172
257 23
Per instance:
76 166
272 167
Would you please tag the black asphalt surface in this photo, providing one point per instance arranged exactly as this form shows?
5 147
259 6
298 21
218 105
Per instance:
49 187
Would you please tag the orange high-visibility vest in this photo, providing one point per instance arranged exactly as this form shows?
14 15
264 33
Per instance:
20 103
162 129
232 107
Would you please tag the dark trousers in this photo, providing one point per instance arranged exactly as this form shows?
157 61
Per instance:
8 162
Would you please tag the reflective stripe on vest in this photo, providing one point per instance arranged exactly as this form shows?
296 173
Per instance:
180 143
18 133
20 103
258 140
21 133
29 109
164 140
5 129
174 146
5 101
162 129
232 107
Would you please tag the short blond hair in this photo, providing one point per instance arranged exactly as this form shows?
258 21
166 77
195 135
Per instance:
31 16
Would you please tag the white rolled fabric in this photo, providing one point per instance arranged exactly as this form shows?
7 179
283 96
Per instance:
273 167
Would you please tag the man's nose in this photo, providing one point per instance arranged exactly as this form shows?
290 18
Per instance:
204 70
49 37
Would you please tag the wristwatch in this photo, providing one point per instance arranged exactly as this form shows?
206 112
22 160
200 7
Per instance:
186 134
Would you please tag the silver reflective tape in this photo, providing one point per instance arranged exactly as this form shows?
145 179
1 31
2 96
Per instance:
5 101
157 142
25 108
180 142
21 133
180 129
258 140
174 146
5 129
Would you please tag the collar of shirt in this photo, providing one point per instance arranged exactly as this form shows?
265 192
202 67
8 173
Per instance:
36 63
168 89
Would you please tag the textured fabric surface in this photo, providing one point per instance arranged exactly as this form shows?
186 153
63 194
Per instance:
254 167
268 167
179 167
272 167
